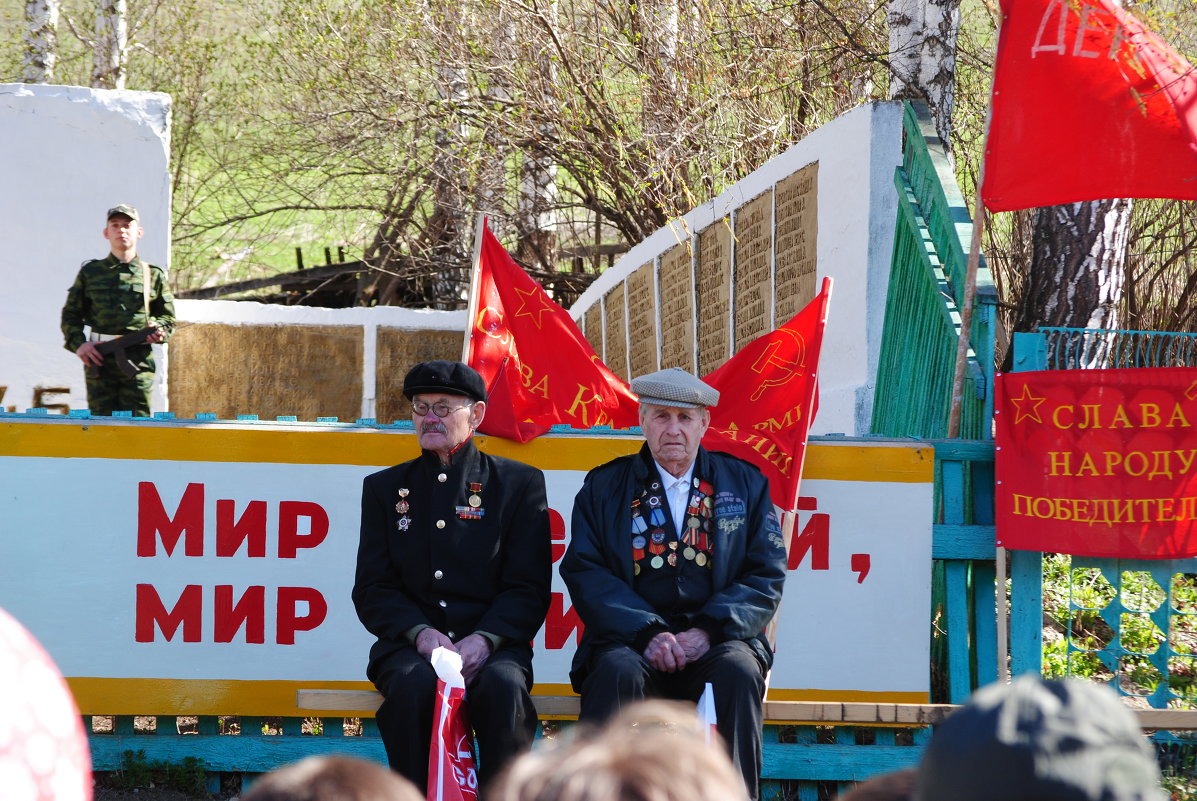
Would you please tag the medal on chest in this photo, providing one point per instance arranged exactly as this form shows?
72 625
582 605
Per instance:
474 510
402 507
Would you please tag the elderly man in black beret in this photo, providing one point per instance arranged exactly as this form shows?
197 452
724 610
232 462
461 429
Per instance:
676 565
454 552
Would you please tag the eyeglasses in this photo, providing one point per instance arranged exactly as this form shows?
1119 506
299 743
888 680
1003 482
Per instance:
440 408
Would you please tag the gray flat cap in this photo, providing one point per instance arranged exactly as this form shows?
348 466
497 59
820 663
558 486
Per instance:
674 387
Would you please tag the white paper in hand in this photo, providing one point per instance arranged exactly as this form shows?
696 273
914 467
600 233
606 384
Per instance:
447 665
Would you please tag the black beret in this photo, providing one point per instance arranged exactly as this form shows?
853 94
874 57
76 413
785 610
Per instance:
448 378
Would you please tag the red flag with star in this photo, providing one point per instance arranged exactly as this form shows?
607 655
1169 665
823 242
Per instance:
538 368
1098 462
768 395
1087 104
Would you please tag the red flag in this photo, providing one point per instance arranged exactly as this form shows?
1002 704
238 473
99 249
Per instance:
767 398
538 368
1087 104
1098 462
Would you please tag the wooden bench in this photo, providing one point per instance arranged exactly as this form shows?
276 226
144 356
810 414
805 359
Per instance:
784 712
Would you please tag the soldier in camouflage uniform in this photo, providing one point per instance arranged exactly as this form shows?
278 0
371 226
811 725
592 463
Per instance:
108 296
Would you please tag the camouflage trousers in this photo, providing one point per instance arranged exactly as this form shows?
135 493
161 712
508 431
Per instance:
109 390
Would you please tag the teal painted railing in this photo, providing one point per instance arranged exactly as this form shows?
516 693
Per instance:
922 318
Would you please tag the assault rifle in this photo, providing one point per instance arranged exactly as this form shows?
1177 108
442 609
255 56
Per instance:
117 348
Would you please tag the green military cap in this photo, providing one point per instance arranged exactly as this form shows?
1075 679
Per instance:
674 387
124 209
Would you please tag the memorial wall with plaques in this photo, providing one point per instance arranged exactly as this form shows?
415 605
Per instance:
676 279
753 279
615 332
796 227
717 289
713 284
642 321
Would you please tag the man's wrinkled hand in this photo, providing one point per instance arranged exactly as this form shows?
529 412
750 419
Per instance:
88 354
695 643
156 336
665 653
475 650
429 640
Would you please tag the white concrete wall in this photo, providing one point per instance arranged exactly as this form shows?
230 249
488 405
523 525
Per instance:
70 154
857 206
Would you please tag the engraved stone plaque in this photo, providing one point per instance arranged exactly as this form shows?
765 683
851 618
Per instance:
676 279
642 321
400 349
308 371
797 225
616 338
714 296
593 317
753 278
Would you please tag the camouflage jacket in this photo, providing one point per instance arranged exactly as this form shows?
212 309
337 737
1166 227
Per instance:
107 295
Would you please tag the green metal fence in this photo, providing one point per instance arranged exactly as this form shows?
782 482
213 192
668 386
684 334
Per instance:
922 318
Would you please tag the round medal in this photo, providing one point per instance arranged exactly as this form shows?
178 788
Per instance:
700 559
475 501
638 542
657 562
636 569
693 522
688 553
654 501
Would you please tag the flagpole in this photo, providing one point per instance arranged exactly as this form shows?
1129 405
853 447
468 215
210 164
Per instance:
790 516
472 302
966 321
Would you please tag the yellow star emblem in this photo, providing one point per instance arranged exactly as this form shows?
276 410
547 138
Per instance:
1029 411
533 303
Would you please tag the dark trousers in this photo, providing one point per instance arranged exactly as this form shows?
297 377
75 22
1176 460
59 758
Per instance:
498 702
109 390
619 676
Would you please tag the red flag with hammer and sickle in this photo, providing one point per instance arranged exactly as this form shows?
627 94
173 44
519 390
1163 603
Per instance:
768 395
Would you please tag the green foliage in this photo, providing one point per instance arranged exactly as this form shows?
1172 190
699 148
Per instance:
1094 631
136 772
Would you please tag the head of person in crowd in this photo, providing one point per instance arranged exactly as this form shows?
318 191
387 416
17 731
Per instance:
674 415
448 401
321 778
122 231
1040 740
43 747
896 785
652 751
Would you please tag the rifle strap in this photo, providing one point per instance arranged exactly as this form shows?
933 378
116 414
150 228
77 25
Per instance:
145 289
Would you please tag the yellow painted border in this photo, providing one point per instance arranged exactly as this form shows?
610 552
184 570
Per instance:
108 696
887 461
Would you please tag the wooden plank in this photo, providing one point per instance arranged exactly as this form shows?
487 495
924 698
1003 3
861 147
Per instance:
962 542
1026 612
956 619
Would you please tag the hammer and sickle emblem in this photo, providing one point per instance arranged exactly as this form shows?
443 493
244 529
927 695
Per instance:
774 368
491 322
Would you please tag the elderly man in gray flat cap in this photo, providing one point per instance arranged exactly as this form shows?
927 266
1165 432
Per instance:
675 566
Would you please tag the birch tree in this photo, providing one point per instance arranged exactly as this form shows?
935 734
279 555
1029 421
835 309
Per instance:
41 40
108 62
922 37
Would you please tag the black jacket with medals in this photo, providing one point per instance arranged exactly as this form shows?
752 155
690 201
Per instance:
427 556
